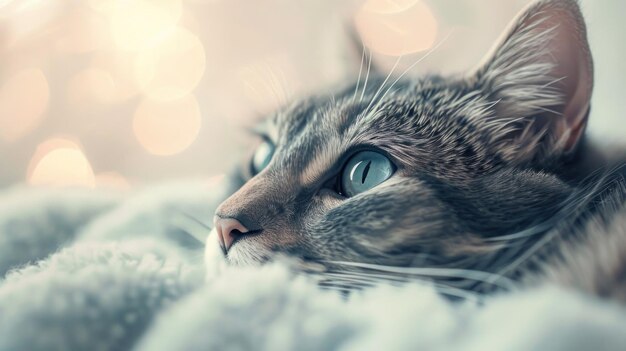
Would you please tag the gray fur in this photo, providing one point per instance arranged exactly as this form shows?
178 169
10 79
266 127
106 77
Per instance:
485 167
482 200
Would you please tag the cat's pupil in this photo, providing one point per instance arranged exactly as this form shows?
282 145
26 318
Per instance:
364 171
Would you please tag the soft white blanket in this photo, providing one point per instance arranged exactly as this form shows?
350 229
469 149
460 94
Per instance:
86 270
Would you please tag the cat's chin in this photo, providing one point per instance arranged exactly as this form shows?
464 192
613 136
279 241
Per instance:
243 253
214 260
247 252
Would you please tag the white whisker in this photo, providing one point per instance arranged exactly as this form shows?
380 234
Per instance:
358 81
474 275
433 49
277 89
194 227
382 85
549 236
367 75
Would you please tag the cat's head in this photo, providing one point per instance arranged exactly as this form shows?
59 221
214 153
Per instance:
420 171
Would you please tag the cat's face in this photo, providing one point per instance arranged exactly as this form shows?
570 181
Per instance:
419 172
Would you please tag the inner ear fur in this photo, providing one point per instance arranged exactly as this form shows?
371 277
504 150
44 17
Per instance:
541 74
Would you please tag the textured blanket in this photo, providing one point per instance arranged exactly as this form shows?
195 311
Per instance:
87 270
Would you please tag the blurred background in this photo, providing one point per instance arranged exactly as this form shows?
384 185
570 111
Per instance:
121 93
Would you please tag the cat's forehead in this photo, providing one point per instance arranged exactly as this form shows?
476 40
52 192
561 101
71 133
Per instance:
354 108
429 114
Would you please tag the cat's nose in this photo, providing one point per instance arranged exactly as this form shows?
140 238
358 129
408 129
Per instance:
228 230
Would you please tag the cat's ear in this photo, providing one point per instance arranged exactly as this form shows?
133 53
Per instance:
541 74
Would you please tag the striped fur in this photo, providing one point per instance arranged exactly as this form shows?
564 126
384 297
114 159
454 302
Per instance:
481 195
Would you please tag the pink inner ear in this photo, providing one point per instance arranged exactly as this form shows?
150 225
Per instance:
569 51
573 59
543 63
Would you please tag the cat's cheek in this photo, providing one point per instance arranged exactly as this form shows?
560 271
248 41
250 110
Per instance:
214 261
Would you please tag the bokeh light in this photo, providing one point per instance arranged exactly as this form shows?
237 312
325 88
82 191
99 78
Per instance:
396 28
135 24
130 78
120 67
167 127
388 6
172 66
60 162
105 7
23 101
82 31
91 86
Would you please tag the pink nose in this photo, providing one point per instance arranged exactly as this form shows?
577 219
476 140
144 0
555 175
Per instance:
228 230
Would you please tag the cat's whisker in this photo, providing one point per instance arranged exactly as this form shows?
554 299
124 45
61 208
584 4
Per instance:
367 276
422 58
275 86
190 225
450 292
525 254
456 292
586 197
479 276
382 85
352 279
464 284
358 81
288 89
253 89
519 251
336 279
523 234
573 204
360 282
367 75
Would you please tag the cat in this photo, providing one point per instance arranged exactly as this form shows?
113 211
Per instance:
479 183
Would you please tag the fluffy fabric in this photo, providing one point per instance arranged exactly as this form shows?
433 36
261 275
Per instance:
124 273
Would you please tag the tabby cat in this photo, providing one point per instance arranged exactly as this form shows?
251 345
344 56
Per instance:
478 183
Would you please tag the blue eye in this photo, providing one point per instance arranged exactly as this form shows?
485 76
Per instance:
364 171
262 156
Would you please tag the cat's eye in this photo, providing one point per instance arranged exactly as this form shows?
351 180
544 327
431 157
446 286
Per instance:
365 170
262 156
